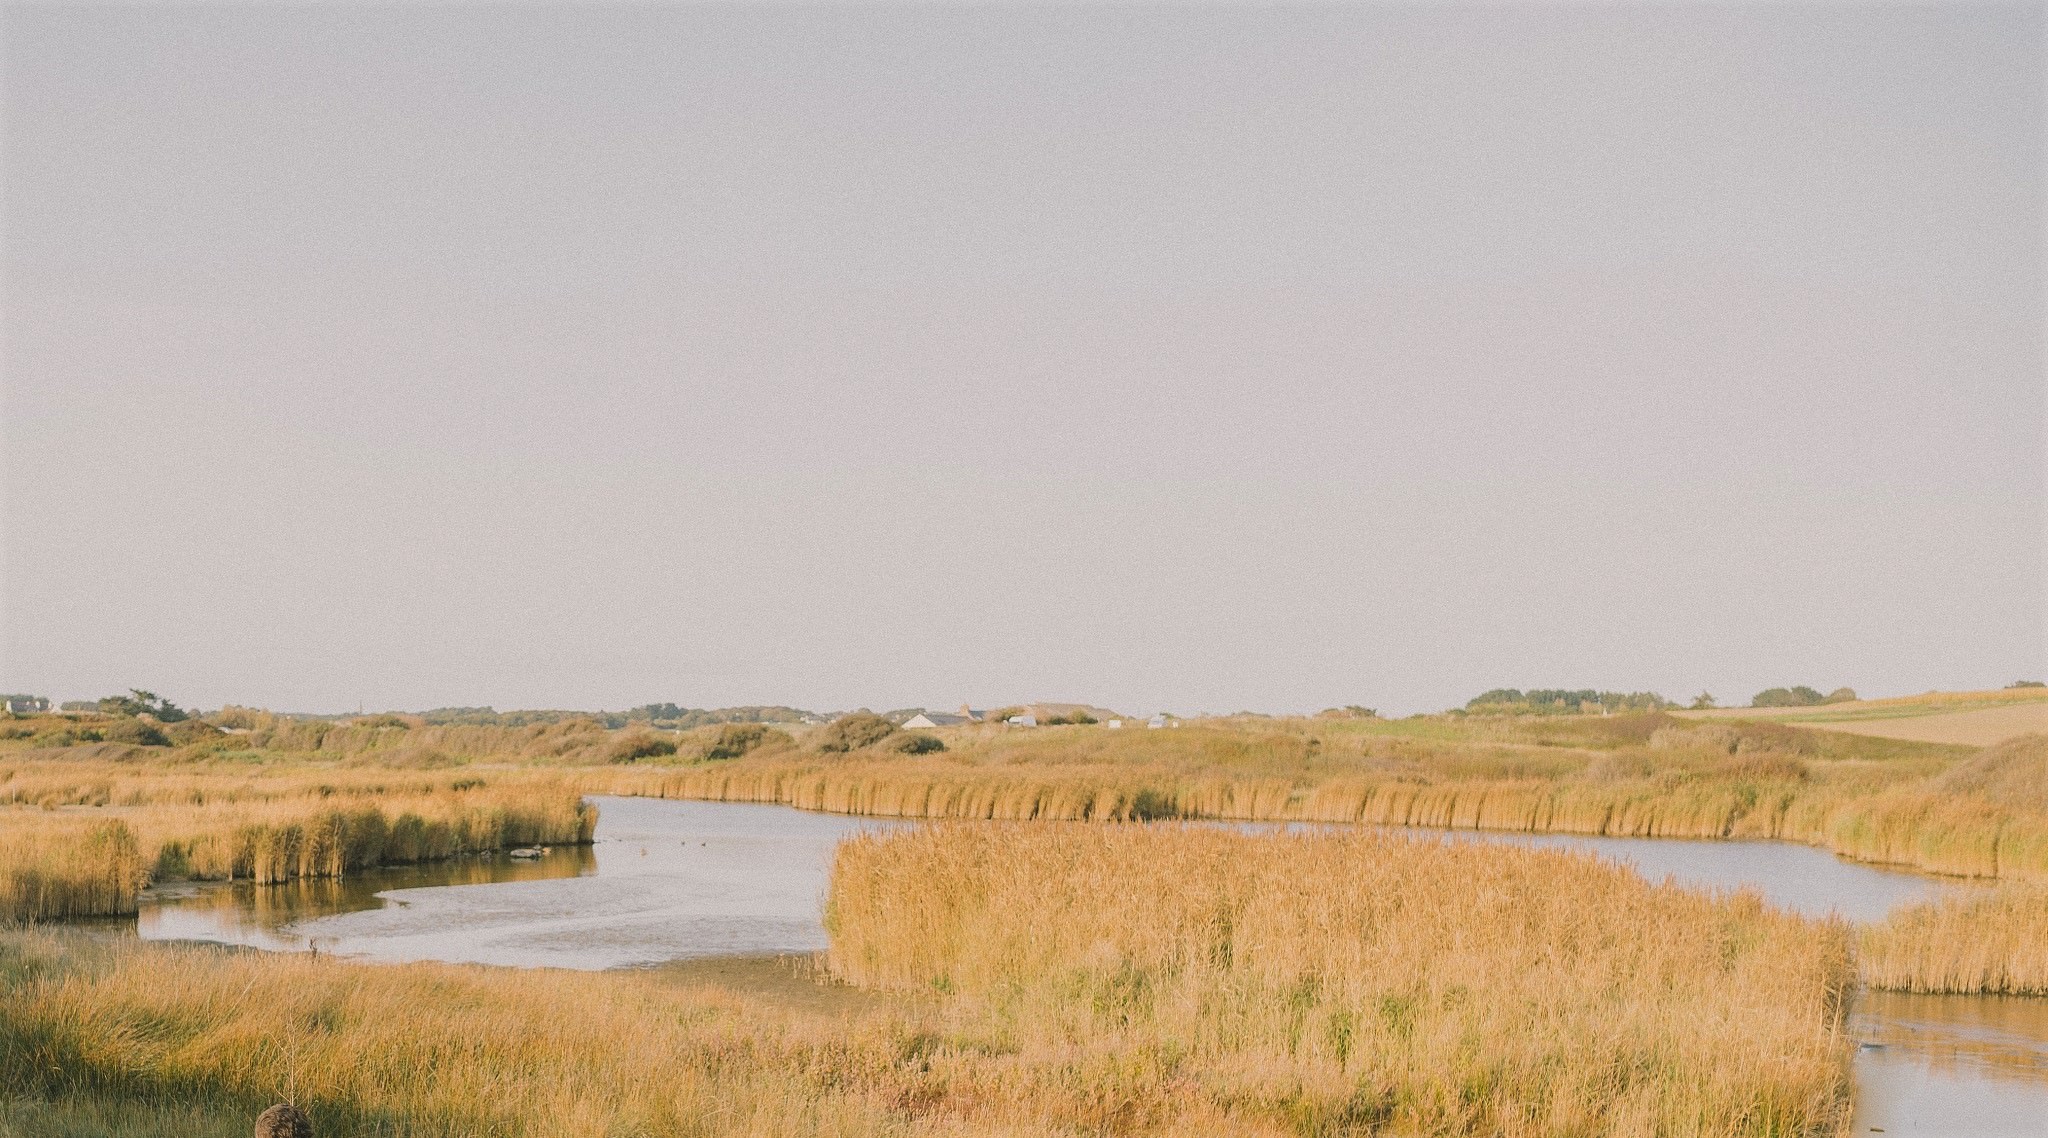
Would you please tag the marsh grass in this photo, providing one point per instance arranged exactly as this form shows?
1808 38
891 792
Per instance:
387 791
1894 811
1356 982
93 861
1990 942
151 1031
1064 981
83 869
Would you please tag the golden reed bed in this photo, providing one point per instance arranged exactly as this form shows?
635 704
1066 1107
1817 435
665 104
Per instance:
1055 981
59 863
1361 982
1989 942
1863 812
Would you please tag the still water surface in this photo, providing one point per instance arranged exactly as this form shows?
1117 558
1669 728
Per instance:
663 881
672 880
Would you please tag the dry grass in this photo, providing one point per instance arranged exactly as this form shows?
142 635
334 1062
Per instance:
89 869
92 861
1979 718
375 792
1989 942
426 1049
1348 982
1162 981
1664 780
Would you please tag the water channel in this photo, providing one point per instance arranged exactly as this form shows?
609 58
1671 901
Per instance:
669 880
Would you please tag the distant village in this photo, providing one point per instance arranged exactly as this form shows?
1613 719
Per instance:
1032 715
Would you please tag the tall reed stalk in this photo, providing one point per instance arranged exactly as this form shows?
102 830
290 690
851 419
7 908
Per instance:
1989 942
1362 982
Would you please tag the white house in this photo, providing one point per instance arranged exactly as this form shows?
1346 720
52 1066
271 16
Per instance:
935 719
1156 722
1023 720
1114 724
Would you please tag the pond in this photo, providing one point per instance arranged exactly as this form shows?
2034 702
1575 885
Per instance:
664 880
672 880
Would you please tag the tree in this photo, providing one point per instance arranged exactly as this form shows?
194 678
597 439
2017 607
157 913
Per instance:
1841 695
1704 702
139 702
1801 696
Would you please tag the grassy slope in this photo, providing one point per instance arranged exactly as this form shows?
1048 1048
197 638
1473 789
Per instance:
1978 718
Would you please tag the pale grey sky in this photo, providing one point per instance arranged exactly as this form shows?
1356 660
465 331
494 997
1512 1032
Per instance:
1197 358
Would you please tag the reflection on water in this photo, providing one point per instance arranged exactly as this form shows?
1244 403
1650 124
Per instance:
263 916
675 880
663 881
1951 1065
1799 878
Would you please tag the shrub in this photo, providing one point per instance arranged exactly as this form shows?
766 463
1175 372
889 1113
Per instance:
735 739
191 731
639 745
852 732
135 733
916 743
1841 695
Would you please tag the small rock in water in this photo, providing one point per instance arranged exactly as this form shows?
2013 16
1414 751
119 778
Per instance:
284 1121
527 852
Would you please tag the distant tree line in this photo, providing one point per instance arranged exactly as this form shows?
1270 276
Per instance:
671 715
1560 701
1801 696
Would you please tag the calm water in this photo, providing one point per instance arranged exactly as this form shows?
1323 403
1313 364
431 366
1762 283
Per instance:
671 880
664 881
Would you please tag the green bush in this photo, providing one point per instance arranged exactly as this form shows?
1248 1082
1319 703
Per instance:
733 740
134 732
632 748
852 732
916 743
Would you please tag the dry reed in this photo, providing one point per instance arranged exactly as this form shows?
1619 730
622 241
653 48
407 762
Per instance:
1342 982
1993 941
93 861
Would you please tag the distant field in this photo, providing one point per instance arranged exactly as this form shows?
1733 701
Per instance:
1975 719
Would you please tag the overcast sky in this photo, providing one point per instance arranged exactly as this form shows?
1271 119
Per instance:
1161 357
